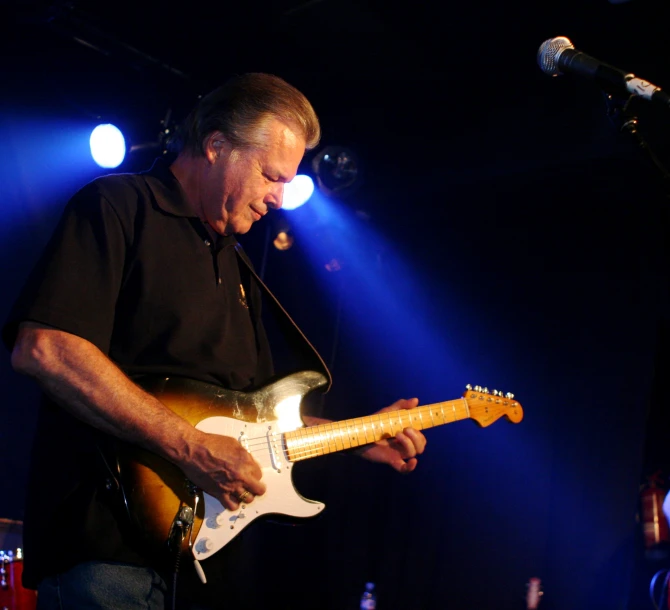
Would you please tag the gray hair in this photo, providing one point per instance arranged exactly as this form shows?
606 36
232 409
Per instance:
242 109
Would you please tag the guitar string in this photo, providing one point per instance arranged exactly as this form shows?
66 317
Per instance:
259 444
312 448
315 447
263 440
337 434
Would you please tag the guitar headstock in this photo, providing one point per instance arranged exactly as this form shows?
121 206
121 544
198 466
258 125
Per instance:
534 593
487 407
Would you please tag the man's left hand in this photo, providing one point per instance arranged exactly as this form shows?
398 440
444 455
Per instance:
399 452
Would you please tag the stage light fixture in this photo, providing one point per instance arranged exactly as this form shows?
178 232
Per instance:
281 229
283 241
108 146
297 192
337 170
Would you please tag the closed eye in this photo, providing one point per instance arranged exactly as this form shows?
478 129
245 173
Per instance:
273 178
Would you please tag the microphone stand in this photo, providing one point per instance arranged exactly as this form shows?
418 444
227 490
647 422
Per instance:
624 116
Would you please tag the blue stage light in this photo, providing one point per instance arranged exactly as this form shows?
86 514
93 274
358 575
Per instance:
297 192
108 147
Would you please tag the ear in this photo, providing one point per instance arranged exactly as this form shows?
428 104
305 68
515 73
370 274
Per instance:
215 145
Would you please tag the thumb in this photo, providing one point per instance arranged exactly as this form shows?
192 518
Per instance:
407 403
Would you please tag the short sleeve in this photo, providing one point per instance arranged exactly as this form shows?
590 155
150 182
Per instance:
75 284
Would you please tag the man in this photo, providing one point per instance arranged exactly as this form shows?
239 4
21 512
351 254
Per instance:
144 276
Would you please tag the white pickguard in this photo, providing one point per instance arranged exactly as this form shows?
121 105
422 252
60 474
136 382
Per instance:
265 443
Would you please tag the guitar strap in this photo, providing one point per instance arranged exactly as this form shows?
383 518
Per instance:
294 336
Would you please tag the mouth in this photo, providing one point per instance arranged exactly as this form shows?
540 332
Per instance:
256 214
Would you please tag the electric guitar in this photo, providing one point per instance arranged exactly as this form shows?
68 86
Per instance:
168 510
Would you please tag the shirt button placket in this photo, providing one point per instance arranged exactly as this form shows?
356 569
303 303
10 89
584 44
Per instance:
216 266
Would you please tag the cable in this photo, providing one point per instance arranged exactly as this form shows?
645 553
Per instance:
663 599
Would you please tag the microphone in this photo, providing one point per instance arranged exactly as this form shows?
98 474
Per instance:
558 56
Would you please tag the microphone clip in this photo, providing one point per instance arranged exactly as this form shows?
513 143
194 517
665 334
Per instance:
623 112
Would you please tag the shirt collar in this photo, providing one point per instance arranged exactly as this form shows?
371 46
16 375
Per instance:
169 195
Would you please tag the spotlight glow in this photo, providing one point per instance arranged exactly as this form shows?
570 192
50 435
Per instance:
297 192
108 147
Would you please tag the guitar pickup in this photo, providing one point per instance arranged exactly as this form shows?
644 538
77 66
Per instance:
274 455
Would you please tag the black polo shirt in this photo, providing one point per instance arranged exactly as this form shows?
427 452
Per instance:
131 269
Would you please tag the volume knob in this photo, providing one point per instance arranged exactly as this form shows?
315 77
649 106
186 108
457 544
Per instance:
205 545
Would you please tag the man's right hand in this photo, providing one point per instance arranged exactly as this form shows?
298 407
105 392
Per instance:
220 466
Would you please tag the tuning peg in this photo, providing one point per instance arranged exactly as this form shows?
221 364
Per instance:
468 387
509 395
485 390
478 388
495 392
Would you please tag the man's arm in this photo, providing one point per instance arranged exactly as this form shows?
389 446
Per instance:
80 378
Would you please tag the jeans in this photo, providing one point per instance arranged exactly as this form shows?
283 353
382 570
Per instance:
103 586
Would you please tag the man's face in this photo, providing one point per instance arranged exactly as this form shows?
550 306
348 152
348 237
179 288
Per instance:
240 186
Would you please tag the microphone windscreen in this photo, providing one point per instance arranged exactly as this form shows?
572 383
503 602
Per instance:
549 51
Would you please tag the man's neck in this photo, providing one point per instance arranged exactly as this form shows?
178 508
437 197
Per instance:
187 171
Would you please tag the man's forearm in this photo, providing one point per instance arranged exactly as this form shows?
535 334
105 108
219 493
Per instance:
80 378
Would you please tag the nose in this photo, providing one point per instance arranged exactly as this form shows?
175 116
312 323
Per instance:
275 197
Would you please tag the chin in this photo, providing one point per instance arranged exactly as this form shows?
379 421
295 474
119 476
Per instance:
242 228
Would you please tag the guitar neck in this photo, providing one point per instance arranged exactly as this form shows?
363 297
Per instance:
314 441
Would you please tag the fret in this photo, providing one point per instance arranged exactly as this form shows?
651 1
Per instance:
307 443
380 427
355 433
339 440
334 436
308 446
350 436
382 433
366 440
400 425
360 432
396 424
328 433
467 409
344 435
320 440
376 429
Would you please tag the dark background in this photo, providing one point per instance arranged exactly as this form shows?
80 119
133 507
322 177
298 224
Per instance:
516 239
